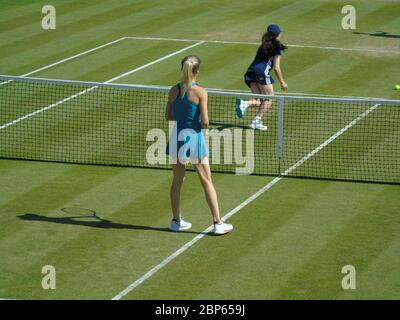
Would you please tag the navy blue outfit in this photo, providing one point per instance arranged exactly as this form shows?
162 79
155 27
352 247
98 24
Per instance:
259 69
187 141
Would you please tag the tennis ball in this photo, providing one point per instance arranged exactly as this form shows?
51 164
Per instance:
397 86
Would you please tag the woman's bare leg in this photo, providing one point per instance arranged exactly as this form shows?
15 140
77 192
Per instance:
254 102
265 105
204 172
175 192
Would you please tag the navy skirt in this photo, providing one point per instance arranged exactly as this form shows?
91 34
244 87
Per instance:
258 77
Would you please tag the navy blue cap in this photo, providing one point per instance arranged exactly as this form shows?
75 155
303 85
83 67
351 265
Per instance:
274 28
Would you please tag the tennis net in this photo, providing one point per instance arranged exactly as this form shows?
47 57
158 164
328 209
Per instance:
124 125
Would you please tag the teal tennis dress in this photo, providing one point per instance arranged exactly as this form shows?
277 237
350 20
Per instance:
187 141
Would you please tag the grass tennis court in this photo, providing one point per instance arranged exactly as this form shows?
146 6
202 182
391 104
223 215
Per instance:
289 243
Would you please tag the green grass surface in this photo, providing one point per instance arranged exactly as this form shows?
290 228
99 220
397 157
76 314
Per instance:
290 243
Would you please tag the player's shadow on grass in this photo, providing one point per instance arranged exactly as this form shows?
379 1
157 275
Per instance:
380 34
98 223
222 125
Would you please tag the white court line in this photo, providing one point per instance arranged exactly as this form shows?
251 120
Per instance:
73 57
155 61
257 43
95 87
189 244
67 59
29 115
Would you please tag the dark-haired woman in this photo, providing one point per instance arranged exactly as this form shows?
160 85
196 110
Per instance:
187 106
258 76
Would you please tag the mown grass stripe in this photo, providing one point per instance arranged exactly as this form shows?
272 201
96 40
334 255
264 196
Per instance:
29 19
124 200
351 244
75 27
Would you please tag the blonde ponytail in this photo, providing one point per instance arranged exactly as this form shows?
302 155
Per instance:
187 76
190 68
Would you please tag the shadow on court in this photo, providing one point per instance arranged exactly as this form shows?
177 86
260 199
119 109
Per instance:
222 125
379 34
100 223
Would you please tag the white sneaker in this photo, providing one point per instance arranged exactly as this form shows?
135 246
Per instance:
222 228
258 125
179 225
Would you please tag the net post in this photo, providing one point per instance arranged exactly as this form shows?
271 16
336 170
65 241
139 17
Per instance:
281 109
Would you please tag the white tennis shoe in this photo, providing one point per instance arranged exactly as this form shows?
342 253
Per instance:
180 225
258 125
222 228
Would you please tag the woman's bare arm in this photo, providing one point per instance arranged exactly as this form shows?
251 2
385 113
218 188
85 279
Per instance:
171 97
278 72
203 101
